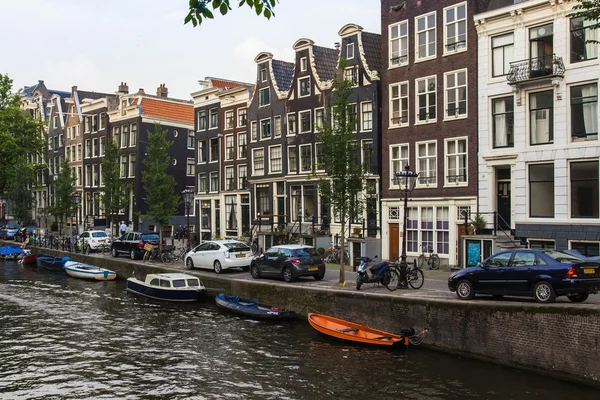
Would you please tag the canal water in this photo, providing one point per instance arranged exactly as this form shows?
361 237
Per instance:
63 338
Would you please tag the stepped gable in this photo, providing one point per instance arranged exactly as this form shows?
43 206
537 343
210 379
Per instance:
325 61
372 47
283 73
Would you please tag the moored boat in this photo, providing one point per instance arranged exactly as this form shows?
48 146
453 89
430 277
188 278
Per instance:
52 263
251 308
10 252
170 287
349 331
30 258
88 271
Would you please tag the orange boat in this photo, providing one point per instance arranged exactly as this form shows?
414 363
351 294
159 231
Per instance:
345 330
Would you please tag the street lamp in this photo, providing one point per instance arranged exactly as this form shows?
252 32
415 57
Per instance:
188 198
407 180
77 201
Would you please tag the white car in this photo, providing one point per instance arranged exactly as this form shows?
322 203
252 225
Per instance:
92 240
220 255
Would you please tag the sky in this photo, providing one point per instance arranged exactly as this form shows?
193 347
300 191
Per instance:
97 44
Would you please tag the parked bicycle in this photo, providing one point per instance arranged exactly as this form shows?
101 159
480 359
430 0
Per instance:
152 253
334 253
433 260
414 276
173 254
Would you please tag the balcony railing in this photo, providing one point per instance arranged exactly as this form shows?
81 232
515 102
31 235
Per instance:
533 68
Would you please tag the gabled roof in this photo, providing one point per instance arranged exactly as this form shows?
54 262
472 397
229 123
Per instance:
372 46
283 72
91 95
225 84
325 62
167 110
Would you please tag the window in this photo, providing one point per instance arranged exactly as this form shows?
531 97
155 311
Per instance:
231 222
456 94
426 163
275 159
304 121
101 122
442 227
503 122
229 148
426 228
87 123
102 146
253 131
423 233
214 118
541 117
94 147
412 229
79 152
352 117
304 84
426 93
229 178
581 35
398 159
202 120
263 74
291 124
536 244
503 53
190 167
190 140
584 189
584 111
214 181
133 136
116 134
292 159
303 64
319 158
201 151
319 118
541 190
264 97
350 51
258 161
265 129
241 117
399 104
125 133
97 170
306 158
351 74
456 161
587 249
88 148
214 150
132 165
242 177
123 169
201 183
366 110
455 27
399 43
425 40
88 175
277 126
367 154
241 145
229 119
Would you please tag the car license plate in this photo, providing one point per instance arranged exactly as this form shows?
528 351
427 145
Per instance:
313 269
589 271
101 241
240 255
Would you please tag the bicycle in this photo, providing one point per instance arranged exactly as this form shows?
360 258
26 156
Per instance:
414 276
253 244
433 260
334 253
174 255
152 253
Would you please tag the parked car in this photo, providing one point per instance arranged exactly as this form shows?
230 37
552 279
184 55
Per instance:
20 235
132 243
9 231
220 255
289 261
92 240
579 255
543 274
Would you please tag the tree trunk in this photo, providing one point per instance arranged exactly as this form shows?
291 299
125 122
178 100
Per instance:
160 236
342 251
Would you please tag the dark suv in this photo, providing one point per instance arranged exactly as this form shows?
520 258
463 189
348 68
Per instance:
132 243
289 261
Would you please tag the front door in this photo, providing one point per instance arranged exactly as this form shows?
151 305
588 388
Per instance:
394 241
503 204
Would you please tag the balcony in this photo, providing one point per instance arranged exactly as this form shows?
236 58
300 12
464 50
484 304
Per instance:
546 67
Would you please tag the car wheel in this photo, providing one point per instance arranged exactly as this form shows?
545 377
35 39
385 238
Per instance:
578 298
464 290
544 293
319 277
217 266
255 271
189 263
132 254
114 252
288 276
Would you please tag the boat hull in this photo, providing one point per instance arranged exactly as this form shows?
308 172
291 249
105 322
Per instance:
87 271
349 331
51 263
168 294
30 259
251 308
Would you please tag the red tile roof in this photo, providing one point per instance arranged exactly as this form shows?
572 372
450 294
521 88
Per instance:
168 110
224 84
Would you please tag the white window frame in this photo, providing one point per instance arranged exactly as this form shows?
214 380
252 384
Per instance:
277 126
102 146
271 149
302 170
94 147
349 49
202 176
240 176
210 114
426 94
132 160
457 155
290 165
133 135
263 74
267 89
362 116
202 144
399 161
300 80
457 48
316 120
303 64
230 170
254 155
241 155
428 56
316 160
456 89
304 112
205 113
210 160
229 117
260 136
210 181
254 131
242 117
227 152
400 38
399 99
291 133
422 181
88 148
101 122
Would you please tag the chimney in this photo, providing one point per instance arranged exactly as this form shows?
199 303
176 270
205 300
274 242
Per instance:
141 91
337 45
73 89
123 88
162 91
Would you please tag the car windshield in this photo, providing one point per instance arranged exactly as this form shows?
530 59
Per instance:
561 257
99 234
150 236
236 246
12 227
305 252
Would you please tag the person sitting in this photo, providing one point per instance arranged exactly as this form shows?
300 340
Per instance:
26 241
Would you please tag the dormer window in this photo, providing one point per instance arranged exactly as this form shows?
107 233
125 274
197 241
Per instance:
303 64
263 75
123 106
350 51
304 85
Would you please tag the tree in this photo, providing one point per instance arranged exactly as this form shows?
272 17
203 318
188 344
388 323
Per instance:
19 194
115 196
340 150
20 134
590 11
201 8
64 187
160 186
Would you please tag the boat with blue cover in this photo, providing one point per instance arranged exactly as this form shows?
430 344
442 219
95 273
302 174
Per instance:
251 308
52 263
88 271
10 252
169 287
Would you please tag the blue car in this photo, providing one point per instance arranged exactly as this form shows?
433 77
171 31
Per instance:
543 274
9 231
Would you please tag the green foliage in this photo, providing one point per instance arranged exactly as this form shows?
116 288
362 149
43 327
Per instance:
159 185
63 207
20 196
20 134
116 192
200 9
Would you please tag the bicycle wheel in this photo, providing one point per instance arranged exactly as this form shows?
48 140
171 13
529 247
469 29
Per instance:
392 281
421 261
168 258
415 278
105 250
146 256
435 262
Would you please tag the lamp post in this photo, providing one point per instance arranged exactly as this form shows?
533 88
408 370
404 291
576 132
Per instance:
45 216
407 180
188 198
77 202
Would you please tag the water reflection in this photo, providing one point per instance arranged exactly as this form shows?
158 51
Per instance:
63 338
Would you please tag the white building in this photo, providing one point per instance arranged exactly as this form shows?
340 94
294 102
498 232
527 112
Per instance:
538 123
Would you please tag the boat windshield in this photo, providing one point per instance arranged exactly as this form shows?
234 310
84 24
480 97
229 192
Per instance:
179 283
193 282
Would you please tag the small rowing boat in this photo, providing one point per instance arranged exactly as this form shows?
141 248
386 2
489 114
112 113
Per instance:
52 263
30 258
251 308
349 331
88 271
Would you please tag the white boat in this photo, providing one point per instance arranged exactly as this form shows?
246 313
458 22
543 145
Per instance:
87 271
170 287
